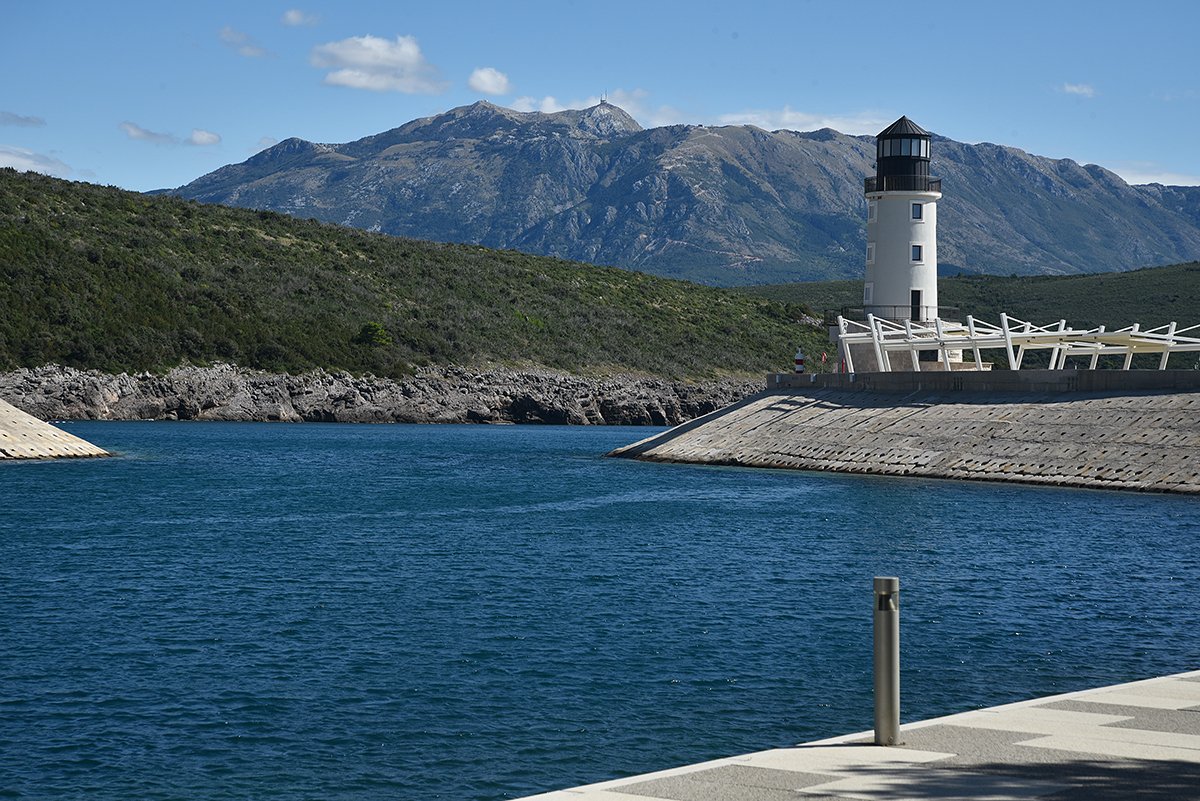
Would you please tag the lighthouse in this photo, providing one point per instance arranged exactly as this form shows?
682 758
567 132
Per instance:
901 277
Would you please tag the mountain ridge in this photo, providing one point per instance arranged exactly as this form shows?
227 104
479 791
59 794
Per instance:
723 205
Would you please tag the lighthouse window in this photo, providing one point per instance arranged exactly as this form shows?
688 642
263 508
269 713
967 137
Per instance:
917 210
870 253
905 147
916 253
871 212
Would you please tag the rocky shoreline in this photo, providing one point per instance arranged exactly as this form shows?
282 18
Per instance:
432 395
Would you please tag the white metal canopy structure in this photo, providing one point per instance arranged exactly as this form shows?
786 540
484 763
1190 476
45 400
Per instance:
1013 336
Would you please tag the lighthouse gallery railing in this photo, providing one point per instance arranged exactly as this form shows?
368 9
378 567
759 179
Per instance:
902 183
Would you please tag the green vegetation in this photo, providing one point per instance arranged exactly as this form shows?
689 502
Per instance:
98 277
1154 296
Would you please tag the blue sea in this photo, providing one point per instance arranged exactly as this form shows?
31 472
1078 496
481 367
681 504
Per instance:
233 611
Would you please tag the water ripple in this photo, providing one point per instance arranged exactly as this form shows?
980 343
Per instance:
355 612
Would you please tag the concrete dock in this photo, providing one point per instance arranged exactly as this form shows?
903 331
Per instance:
1139 740
1096 429
23 436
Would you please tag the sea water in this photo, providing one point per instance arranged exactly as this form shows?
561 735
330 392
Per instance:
424 612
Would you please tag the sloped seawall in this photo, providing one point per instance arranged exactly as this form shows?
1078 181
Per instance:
23 436
1140 432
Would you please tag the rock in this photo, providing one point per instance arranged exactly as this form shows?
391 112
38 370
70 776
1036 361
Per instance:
433 395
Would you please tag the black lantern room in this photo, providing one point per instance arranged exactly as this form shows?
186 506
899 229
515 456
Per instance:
902 160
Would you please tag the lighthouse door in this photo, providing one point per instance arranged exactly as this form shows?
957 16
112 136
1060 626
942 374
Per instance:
915 312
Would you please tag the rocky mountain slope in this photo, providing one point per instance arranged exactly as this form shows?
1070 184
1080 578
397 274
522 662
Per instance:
722 205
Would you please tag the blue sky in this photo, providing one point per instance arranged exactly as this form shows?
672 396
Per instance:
145 95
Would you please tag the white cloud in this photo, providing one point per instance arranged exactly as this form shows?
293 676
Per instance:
1173 96
546 105
638 104
489 81
1081 89
1147 172
135 131
26 160
634 102
8 118
295 18
792 120
201 137
267 141
242 44
380 65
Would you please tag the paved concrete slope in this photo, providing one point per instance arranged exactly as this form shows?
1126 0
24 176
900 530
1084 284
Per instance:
23 436
1139 740
1139 441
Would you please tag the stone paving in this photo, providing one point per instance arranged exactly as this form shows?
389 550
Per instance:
1131 741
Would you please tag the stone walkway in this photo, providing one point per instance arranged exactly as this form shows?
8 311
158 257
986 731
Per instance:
1130 741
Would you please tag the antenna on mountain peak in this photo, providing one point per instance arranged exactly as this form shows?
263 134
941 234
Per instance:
604 98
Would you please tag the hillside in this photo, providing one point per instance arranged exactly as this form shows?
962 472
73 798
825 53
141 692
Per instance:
97 277
1152 296
730 205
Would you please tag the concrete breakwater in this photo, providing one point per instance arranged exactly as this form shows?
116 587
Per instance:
434 395
23 436
1139 439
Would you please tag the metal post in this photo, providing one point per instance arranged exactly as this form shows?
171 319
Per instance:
1162 364
1008 343
887 660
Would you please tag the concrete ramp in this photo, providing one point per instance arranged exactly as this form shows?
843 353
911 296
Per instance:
1146 441
23 436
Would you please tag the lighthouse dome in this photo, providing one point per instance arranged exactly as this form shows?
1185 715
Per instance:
903 127
902 159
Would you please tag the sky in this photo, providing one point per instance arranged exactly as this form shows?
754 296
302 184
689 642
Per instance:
149 95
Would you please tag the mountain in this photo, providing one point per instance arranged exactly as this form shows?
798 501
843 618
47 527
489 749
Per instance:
722 205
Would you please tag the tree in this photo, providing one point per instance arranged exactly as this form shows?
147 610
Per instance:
373 335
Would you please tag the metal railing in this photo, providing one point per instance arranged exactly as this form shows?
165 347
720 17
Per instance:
902 183
1015 337
859 313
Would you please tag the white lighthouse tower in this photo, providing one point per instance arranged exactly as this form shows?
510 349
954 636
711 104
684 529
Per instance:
901 280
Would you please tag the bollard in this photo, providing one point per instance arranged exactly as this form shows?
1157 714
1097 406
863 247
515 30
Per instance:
887 660
799 360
